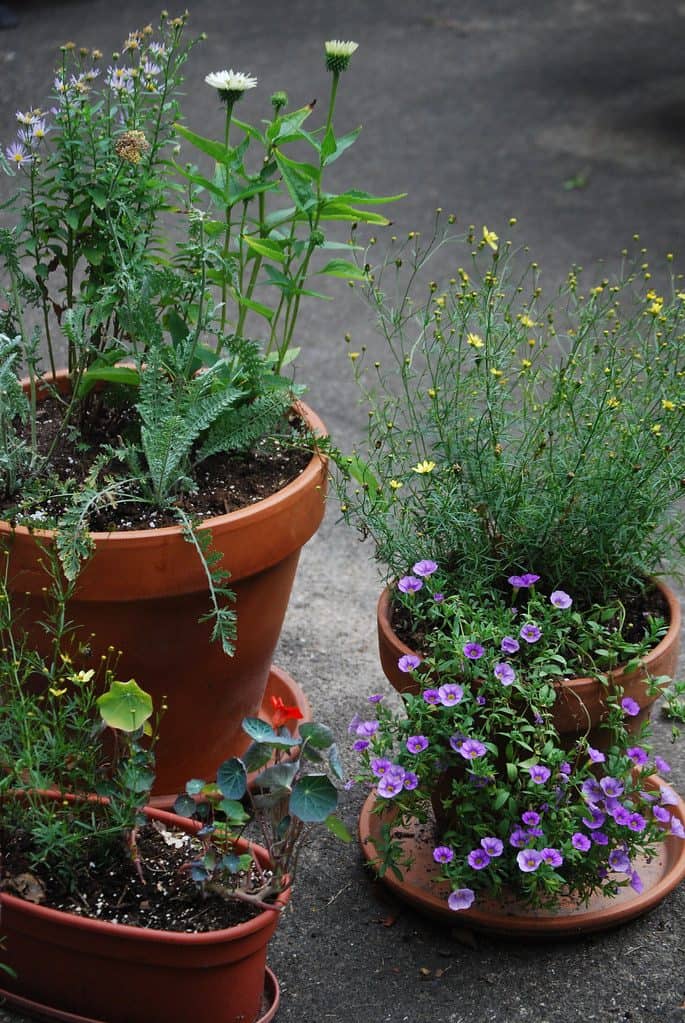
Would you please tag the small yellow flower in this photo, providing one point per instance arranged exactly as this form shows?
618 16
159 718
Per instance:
667 404
526 321
422 468
613 402
440 301
475 340
680 295
526 363
395 484
496 372
597 290
57 692
490 238
353 356
656 429
432 393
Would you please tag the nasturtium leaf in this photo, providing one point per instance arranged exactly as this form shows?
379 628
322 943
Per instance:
184 806
262 732
318 736
235 811
279 776
313 798
338 828
231 778
125 706
256 756
335 763
195 786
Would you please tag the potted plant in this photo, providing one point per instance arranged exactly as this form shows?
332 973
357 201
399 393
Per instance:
112 909
173 452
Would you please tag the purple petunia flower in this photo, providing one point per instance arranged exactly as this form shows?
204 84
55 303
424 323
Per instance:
366 729
530 818
552 857
611 786
380 766
478 859
462 898
417 743
389 785
505 673
530 632
431 696
443 854
677 828
638 755
565 768
529 860
580 841
518 838
481 701
636 882
375 698
409 584
438 597
595 820
560 599
424 568
539 774
599 838
631 708
668 796
411 781
408 662
620 814
493 846
470 749
450 694
474 651
619 861
591 791
509 645
595 755
523 581
661 814
662 766
360 745
637 822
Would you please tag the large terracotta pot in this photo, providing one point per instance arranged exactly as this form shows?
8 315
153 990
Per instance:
581 702
74 968
144 591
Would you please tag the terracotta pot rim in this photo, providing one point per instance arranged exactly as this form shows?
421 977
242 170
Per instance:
148 935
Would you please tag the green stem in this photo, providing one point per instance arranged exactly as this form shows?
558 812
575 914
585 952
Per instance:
227 206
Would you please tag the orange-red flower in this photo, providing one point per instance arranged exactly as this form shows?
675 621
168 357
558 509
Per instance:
281 713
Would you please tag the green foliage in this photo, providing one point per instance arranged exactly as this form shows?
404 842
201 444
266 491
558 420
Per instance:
15 454
507 433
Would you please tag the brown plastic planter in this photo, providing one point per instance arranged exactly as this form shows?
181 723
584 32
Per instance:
77 969
143 591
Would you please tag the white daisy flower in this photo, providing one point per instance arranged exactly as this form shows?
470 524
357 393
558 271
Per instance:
230 84
338 53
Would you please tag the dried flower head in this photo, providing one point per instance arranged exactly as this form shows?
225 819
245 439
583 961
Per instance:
131 145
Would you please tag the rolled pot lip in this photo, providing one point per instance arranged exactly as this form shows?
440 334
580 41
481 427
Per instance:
149 935
260 509
383 615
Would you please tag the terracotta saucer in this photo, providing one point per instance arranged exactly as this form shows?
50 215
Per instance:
508 918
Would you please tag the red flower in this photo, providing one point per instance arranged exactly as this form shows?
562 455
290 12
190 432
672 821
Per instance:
281 713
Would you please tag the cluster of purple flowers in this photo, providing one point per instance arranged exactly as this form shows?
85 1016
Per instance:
392 778
32 131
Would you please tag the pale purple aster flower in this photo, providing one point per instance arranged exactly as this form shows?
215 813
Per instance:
552 857
443 854
595 755
539 774
424 568
151 69
408 662
360 745
619 861
560 599
530 632
638 755
668 796
637 822
438 597
470 749
662 766
159 50
389 785
631 708
380 765
26 119
417 743
493 846
661 814
509 645
474 651
409 584
595 820
530 818
677 828
478 859
518 838
17 154
375 698
505 673
529 860
462 898
599 838
431 696
636 882
450 694
612 787
580 841
411 780
367 729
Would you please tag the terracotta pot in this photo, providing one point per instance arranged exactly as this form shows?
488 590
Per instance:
581 702
74 968
143 591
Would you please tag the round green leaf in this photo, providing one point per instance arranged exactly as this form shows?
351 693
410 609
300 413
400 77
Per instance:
313 798
231 778
318 736
125 706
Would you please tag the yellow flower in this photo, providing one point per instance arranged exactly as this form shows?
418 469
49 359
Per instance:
667 404
496 372
440 301
432 393
656 429
352 356
613 402
526 321
395 484
57 692
526 363
424 467
475 340
680 295
490 238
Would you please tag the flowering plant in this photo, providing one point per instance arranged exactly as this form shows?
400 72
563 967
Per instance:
520 806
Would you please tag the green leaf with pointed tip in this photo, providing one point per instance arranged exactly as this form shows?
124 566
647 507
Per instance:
343 268
341 144
125 706
334 210
231 778
313 798
262 732
268 247
338 828
214 149
318 736
335 763
279 776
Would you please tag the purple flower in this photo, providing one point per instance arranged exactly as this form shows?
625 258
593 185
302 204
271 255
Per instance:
520 582
661 814
411 780
677 828
595 820
366 729
474 651
668 796
611 787
636 882
409 584
389 785
662 766
450 694
530 818
408 662
565 768
443 854
638 755
529 860
631 708
375 698
360 745
505 673
424 568
481 701
637 822
470 749
431 696
560 599
599 838
620 814
518 838
417 743
619 861
592 793
478 859
493 846
539 774
552 857
595 755
530 632
509 645
380 766
580 841
462 898
438 597
535 832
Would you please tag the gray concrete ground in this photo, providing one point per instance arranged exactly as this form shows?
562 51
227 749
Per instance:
488 110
